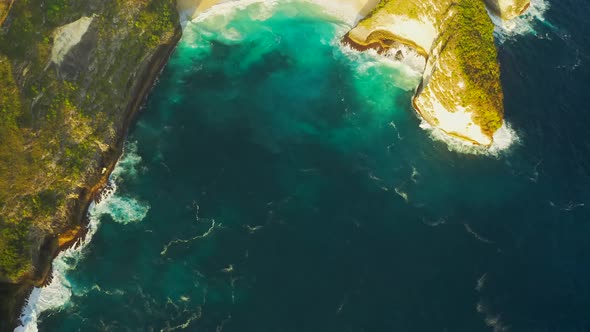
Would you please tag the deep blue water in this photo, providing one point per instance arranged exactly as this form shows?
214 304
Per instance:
276 182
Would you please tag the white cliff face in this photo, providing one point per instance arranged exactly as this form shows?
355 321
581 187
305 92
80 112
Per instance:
416 23
421 31
439 101
460 93
441 98
508 9
68 36
438 107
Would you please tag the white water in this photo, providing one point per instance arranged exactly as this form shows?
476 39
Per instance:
345 11
522 25
126 209
123 209
504 139
407 71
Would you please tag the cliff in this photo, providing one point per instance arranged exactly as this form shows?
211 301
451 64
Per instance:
508 9
460 92
190 9
73 73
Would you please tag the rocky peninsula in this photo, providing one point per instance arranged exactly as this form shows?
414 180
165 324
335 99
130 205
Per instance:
460 92
74 74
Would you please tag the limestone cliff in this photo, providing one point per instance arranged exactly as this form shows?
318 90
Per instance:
508 9
72 75
460 92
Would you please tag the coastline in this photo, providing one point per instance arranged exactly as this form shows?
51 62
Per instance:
382 48
15 295
144 81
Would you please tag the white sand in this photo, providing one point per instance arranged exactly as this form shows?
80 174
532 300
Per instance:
350 11
190 9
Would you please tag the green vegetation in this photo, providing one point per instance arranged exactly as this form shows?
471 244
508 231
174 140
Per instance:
13 249
473 32
377 8
468 51
55 125
410 9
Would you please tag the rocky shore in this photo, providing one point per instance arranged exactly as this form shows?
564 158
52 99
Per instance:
100 80
460 93
73 94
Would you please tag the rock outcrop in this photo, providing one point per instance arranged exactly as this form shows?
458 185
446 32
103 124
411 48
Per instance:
73 76
508 9
67 36
460 92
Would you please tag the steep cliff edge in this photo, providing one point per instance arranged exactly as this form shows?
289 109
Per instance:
460 92
508 9
72 76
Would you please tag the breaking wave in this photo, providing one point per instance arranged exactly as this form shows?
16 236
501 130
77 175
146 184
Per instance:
404 73
58 292
504 139
522 25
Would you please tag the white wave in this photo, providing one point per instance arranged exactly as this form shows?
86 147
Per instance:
493 320
225 21
435 223
253 229
476 235
347 12
183 326
407 71
481 282
57 293
415 175
504 139
402 194
522 25
128 165
122 209
224 12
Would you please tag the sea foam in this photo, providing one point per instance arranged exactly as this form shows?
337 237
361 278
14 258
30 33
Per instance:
522 25
504 138
58 292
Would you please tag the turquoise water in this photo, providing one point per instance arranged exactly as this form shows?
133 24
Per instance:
276 181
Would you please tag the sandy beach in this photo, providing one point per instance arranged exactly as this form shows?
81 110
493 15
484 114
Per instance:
349 10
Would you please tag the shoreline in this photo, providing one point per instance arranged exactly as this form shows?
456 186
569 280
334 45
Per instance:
380 48
51 247
143 83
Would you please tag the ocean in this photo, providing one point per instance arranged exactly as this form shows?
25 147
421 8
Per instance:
279 181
